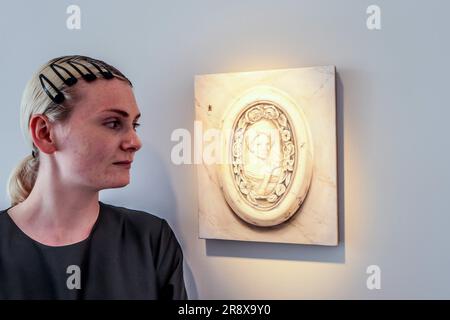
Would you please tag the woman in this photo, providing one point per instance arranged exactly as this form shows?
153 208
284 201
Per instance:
57 240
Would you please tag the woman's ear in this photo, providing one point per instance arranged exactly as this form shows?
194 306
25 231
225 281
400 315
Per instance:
42 133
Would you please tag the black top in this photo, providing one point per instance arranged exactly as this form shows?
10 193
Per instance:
129 254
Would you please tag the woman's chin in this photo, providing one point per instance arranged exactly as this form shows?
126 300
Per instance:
119 183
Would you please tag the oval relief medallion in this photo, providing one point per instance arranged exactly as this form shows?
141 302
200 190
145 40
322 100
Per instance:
268 157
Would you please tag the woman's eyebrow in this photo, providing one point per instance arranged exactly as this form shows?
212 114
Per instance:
121 112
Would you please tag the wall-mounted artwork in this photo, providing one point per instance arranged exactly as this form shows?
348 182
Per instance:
268 171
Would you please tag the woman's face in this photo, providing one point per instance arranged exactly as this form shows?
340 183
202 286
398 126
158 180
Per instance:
100 132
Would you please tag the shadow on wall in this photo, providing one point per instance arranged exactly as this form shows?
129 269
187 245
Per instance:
281 251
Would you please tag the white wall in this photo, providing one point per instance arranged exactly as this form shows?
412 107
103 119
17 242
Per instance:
392 127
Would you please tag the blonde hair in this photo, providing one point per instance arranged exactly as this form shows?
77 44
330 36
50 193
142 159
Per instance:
36 101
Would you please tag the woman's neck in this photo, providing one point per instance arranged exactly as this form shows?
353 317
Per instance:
57 216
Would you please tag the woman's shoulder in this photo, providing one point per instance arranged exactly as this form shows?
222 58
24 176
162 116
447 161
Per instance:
137 219
141 224
3 218
131 214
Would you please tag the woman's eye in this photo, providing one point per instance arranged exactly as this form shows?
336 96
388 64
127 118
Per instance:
115 124
112 124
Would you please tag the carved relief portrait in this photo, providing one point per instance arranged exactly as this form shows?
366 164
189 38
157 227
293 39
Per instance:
263 155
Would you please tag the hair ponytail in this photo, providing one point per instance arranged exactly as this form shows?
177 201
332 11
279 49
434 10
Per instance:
22 179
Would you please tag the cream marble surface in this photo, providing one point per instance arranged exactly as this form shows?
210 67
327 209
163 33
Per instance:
313 91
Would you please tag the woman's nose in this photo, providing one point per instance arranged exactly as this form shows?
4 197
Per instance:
132 141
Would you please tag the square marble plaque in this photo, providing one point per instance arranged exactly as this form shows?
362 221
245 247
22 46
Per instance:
312 90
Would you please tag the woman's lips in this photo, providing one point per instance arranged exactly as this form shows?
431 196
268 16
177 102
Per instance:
125 164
